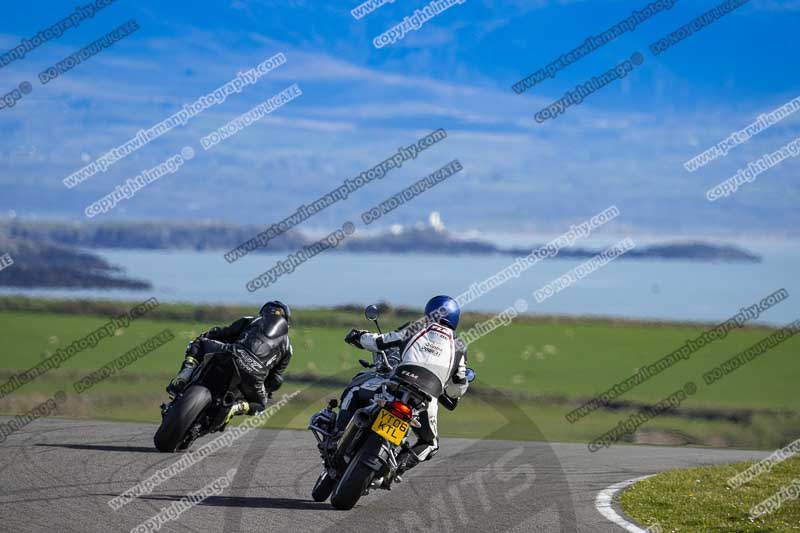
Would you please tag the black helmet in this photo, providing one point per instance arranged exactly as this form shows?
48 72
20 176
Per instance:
276 307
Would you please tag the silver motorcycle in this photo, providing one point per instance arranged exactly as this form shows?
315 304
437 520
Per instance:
364 456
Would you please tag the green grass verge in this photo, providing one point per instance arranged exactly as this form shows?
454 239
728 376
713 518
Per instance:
575 358
699 500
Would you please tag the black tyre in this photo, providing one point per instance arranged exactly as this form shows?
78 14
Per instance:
180 417
323 487
356 478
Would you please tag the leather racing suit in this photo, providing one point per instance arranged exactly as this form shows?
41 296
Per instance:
433 357
261 350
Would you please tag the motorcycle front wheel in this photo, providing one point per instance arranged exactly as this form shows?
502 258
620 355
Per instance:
180 417
323 487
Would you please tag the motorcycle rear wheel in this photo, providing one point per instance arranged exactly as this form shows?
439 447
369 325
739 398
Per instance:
357 476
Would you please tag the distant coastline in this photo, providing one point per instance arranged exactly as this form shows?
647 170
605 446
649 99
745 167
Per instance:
51 255
52 265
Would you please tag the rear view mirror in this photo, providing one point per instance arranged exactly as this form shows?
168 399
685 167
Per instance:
371 312
470 375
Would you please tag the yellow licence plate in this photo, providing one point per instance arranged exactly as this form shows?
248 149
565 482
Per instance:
390 427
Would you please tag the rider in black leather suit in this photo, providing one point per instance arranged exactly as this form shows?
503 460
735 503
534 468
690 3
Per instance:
260 347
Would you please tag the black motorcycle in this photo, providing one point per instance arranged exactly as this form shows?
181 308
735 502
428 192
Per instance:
365 455
203 407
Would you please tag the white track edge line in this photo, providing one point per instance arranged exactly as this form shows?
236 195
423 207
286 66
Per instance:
603 505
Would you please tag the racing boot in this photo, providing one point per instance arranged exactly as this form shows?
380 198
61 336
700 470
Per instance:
238 408
406 460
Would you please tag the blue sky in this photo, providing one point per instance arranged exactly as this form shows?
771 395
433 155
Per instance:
624 145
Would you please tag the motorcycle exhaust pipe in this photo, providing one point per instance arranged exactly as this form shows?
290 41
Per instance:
361 419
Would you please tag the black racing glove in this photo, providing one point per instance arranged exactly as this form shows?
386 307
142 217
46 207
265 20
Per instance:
194 347
354 337
458 380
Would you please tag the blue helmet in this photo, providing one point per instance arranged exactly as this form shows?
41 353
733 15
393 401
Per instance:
443 309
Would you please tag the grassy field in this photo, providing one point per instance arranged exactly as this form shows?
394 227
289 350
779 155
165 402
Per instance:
698 499
546 364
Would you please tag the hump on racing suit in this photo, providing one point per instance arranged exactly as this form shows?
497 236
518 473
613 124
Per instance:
427 360
261 350
430 356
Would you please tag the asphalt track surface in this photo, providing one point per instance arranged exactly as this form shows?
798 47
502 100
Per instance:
58 476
